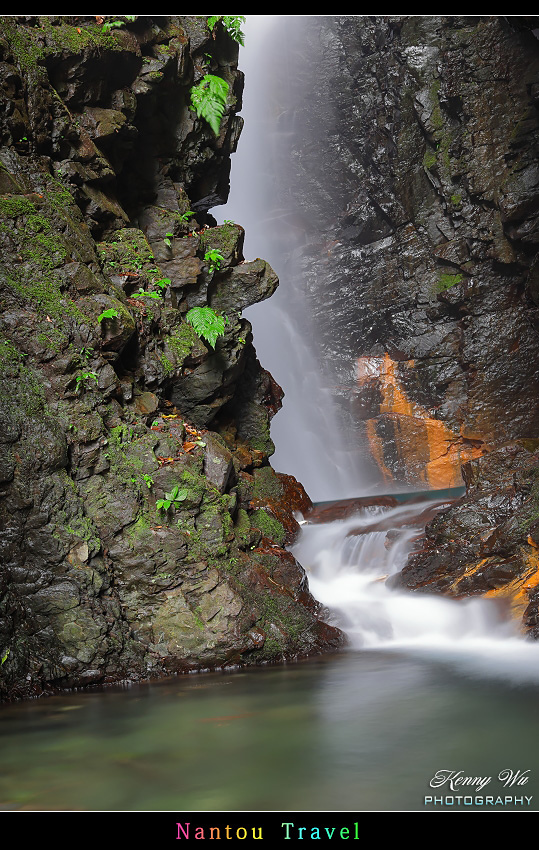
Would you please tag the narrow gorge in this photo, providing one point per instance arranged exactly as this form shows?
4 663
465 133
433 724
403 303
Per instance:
146 530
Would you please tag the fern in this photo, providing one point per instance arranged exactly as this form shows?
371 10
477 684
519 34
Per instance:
232 24
208 99
206 323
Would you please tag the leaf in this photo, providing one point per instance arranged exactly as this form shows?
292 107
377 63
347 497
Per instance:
232 24
108 314
214 258
206 323
208 99
142 294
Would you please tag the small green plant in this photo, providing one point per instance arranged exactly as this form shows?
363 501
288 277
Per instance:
187 215
148 480
163 283
108 314
86 353
206 323
214 259
109 25
143 294
208 99
83 378
168 240
4 657
446 281
172 499
231 23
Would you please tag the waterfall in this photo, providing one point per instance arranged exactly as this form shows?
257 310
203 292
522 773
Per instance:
347 561
306 432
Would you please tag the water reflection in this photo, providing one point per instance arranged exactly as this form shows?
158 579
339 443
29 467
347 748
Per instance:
357 731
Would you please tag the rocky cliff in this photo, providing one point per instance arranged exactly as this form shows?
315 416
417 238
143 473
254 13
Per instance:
414 170
143 526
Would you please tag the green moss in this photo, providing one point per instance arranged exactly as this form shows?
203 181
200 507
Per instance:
223 238
242 528
197 616
140 527
429 159
129 251
456 200
32 45
83 528
436 114
267 484
20 390
13 206
54 339
182 342
446 281
168 367
42 250
269 526
124 465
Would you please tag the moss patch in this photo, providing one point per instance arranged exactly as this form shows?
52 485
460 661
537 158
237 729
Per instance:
446 281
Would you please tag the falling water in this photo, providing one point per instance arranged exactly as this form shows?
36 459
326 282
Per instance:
348 561
306 432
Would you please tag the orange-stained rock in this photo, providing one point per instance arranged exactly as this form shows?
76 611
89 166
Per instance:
406 442
519 591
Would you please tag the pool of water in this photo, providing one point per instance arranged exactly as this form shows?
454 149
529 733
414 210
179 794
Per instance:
357 731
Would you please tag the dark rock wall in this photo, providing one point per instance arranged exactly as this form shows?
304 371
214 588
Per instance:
413 160
106 179
412 156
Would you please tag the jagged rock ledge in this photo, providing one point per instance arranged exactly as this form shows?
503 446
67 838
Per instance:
109 399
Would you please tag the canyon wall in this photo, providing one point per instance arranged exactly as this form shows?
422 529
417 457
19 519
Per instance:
142 524
414 167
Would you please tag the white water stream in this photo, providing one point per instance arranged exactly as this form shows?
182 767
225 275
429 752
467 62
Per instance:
347 565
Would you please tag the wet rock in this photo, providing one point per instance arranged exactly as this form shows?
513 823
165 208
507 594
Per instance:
126 543
484 543
416 206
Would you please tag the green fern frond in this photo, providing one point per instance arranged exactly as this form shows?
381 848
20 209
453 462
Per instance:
208 99
232 24
206 323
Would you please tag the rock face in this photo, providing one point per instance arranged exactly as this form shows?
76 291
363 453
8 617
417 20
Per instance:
487 543
143 527
412 157
414 168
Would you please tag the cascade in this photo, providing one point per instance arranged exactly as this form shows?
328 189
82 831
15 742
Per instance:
347 562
